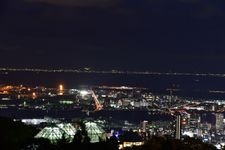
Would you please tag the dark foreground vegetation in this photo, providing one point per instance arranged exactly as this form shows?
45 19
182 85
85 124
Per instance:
16 135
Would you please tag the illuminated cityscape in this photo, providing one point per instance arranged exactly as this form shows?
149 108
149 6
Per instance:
112 75
116 110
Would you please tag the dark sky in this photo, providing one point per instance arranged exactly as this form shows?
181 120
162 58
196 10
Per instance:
157 35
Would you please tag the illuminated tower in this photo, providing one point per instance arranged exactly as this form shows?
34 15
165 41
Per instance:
178 126
61 89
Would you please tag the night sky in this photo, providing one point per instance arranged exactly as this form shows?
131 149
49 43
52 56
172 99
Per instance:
155 35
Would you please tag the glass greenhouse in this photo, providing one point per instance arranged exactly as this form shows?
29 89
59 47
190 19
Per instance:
56 132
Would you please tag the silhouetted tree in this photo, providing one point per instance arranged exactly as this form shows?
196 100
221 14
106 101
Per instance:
113 143
63 141
77 137
15 135
82 135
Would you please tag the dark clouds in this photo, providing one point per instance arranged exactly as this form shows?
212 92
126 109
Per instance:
193 7
128 34
78 3
3 5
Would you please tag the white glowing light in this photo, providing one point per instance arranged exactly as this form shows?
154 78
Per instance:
83 92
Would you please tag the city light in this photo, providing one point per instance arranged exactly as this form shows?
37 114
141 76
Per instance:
34 95
61 88
83 92
176 116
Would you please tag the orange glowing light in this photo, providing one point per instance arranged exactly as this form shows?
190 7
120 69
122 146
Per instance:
61 88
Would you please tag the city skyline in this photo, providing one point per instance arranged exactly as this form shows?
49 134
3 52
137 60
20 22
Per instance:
112 74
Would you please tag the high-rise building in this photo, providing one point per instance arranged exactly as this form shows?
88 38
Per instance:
178 126
144 126
219 121
194 122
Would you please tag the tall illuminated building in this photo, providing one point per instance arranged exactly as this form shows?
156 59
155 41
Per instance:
144 126
219 121
178 126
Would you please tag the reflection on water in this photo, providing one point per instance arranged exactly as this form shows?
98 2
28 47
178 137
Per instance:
199 86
